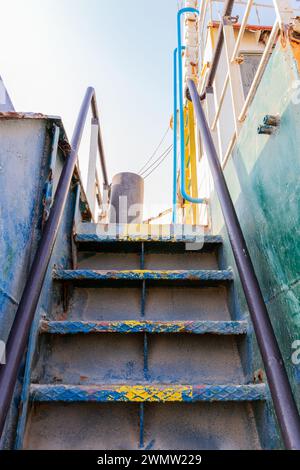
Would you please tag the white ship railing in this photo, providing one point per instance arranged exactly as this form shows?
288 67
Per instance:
284 13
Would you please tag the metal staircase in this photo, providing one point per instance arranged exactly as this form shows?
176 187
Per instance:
141 350
136 341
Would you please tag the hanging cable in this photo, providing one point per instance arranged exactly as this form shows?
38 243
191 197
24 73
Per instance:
155 161
155 151
161 161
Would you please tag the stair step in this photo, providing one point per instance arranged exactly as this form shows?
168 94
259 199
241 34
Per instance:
147 393
150 239
101 233
82 238
143 275
192 327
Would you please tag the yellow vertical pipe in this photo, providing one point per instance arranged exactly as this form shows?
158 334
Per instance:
193 159
187 204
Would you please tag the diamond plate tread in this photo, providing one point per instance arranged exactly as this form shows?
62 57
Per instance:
132 326
141 275
147 393
89 232
94 238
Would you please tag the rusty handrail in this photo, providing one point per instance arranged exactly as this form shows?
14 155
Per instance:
280 388
19 334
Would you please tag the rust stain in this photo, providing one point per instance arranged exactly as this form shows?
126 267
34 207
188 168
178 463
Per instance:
283 39
65 147
259 376
15 115
249 27
295 45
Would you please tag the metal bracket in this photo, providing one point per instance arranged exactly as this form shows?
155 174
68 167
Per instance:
48 192
230 20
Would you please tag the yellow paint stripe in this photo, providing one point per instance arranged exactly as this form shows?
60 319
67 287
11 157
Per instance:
193 159
140 393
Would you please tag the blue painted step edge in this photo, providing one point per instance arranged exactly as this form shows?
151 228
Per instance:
186 238
147 393
133 326
180 275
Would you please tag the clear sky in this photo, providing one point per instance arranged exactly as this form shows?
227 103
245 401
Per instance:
51 50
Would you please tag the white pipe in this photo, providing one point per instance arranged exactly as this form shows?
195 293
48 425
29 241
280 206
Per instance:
260 70
229 150
213 126
241 31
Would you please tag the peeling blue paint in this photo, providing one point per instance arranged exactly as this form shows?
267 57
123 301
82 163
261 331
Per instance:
188 275
8 297
194 327
187 238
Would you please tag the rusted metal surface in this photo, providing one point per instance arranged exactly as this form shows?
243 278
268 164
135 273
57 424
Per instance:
294 39
49 186
249 27
16 115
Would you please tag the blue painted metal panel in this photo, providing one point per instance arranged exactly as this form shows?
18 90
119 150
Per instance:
25 162
23 156
49 187
26 383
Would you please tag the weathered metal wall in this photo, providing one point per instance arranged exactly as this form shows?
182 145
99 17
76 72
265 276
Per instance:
263 178
25 154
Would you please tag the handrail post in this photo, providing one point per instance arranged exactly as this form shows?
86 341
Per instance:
92 169
241 31
100 142
280 388
234 74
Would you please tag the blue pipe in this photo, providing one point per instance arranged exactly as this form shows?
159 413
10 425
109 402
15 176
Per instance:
181 106
174 216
